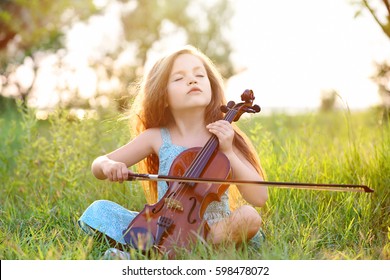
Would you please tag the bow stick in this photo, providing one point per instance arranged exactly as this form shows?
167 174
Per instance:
291 185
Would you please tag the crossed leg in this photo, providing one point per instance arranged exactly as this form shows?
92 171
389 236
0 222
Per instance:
240 226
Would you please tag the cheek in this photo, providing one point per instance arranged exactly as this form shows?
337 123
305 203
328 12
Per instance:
209 90
206 84
171 95
173 88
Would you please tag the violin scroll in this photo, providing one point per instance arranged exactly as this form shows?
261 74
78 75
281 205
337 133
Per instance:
248 97
243 107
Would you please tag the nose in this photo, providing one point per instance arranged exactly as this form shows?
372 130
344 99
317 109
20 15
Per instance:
192 81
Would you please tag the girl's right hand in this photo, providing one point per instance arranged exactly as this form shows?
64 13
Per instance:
115 171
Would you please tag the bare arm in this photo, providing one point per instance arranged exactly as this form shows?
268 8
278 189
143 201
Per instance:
242 169
114 166
256 195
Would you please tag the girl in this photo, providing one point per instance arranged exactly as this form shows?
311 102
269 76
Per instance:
180 101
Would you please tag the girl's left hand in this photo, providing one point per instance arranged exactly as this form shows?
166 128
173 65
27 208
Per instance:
225 133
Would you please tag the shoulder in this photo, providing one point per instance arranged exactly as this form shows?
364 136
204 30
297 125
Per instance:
155 131
152 136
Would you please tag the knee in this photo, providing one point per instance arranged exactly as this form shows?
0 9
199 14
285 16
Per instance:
99 202
252 219
99 208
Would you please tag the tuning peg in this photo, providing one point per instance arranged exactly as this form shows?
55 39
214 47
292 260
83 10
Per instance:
231 104
224 109
256 108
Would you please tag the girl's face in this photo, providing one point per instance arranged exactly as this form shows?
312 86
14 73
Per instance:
188 84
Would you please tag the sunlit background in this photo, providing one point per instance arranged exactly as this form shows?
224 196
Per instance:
291 53
295 50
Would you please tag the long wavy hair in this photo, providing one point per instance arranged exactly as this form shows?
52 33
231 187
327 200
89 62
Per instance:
150 111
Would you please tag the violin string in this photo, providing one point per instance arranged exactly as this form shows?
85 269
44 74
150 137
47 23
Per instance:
206 151
192 171
195 169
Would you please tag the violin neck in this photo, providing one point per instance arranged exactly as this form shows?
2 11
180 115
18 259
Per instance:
207 152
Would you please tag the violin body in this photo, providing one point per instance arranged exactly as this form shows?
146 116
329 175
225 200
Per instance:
176 220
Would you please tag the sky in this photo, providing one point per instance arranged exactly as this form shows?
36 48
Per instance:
287 52
291 51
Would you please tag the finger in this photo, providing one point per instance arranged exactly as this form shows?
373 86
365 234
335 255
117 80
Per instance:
215 131
226 126
222 132
125 173
114 176
119 175
223 126
122 174
220 135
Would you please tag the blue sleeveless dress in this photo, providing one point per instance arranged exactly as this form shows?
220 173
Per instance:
112 219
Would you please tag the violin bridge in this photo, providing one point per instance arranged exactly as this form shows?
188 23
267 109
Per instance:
174 204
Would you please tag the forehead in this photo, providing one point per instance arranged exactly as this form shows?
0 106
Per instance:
187 62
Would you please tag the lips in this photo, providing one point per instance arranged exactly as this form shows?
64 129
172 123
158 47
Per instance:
194 89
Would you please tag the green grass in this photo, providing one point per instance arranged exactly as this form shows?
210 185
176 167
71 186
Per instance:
46 184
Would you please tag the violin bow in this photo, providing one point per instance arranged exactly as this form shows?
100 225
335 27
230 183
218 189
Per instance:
248 96
290 185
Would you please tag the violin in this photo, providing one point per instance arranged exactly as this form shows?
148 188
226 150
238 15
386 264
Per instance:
176 220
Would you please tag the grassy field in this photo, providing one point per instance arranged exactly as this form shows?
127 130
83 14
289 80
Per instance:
46 184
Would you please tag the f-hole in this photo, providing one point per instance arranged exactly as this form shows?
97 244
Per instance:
191 211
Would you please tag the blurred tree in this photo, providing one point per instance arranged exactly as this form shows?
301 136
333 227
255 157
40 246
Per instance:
382 78
150 22
328 100
30 26
204 29
39 24
380 11
146 25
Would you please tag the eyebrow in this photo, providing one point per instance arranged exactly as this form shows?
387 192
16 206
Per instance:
193 69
